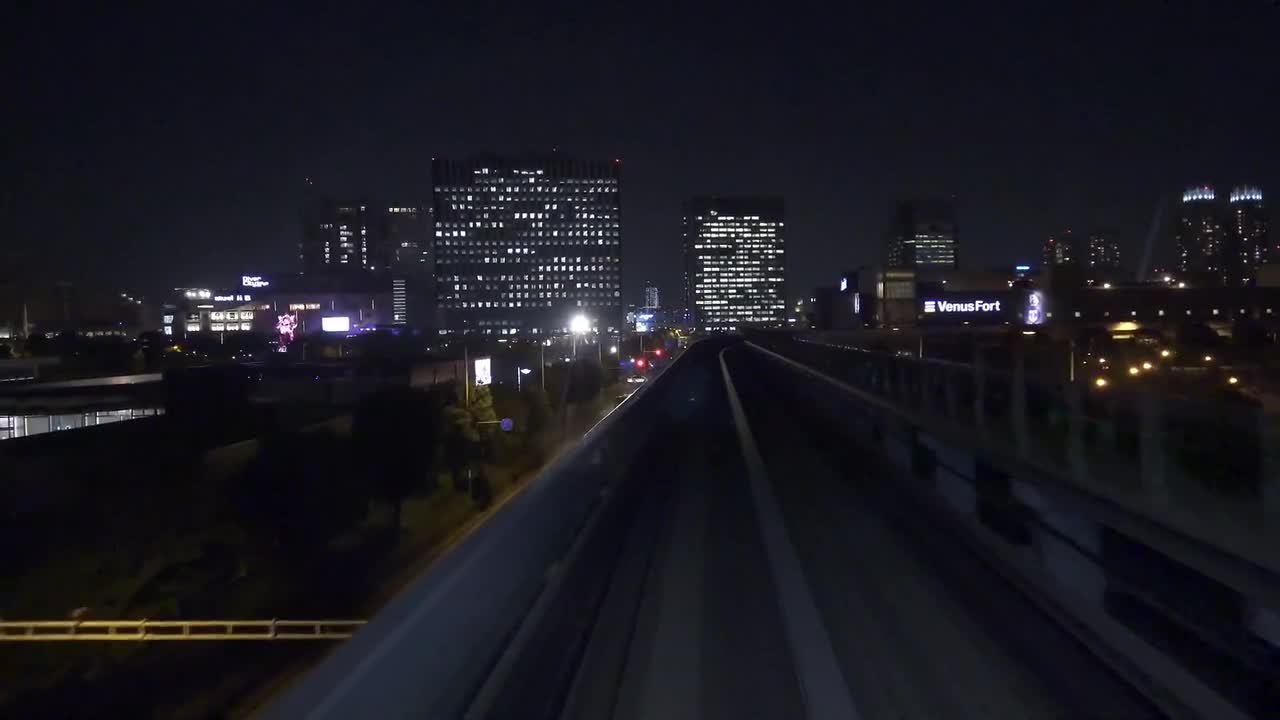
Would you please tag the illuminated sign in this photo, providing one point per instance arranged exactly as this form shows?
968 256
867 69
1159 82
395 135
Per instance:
1022 268
967 306
857 303
484 371
198 294
1035 308
285 325
304 306
340 323
844 284
644 322
168 319
254 281
232 298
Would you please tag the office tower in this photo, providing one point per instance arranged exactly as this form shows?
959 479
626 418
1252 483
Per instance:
1199 233
922 234
651 296
335 237
734 262
1104 251
1246 235
401 249
1060 249
523 244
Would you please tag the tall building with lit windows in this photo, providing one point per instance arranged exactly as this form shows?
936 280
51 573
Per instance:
1104 251
1247 234
336 236
1199 233
401 248
735 262
651 296
922 234
523 244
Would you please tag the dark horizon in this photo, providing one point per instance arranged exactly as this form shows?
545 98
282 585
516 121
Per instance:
160 146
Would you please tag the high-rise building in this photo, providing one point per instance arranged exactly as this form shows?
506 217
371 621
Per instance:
651 296
735 264
1104 251
1199 233
1246 236
1060 249
523 244
401 245
336 236
922 234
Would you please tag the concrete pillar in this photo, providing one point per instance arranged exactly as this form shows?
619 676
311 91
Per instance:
1151 444
1270 467
949 380
979 389
1018 400
1077 462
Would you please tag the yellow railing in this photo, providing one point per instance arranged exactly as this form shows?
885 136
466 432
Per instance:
148 630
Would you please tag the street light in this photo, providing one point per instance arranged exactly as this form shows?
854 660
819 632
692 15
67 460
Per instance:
1146 365
520 373
1100 382
578 325
1233 380
613 350
1164 353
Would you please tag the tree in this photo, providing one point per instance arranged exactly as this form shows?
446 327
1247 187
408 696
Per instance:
297 493
394 432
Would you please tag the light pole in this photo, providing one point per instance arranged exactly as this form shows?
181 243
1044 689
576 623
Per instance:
578 325
520 373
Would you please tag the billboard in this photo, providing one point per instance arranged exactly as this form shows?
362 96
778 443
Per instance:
967 308
254 281
484 371
644 322
1034 314
340 323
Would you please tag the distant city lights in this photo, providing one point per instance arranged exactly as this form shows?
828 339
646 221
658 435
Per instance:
1100 382
1245 194
1203 192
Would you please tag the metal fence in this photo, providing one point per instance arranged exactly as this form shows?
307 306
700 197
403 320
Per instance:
1212 471
153 630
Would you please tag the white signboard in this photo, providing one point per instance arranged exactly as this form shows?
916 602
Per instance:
341 323
967 306
254 281
484 371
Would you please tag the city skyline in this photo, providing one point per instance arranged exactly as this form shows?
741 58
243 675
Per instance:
110 198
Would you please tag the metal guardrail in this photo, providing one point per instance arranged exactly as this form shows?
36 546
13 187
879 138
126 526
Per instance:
1211 472
153 630
1193 624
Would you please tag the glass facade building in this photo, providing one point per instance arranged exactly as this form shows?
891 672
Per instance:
524 244
735 262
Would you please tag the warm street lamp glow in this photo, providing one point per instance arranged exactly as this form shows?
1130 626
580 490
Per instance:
1208 358
1102 361
1164 353
1100 382
579 324
1133 371
1233 380
1146 365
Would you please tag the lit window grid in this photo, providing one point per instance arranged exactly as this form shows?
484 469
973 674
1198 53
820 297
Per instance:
523 249
738 271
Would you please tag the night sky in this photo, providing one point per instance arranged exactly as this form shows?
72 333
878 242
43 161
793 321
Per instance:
147 147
